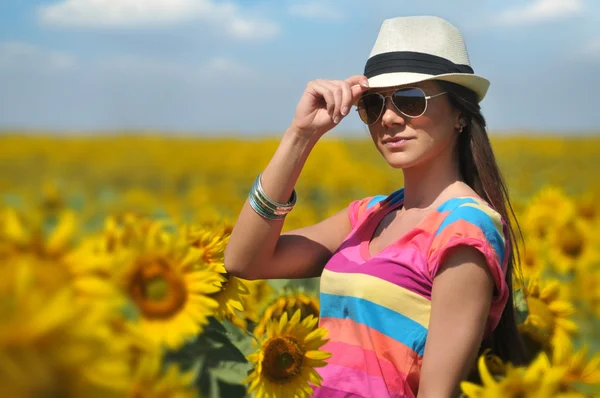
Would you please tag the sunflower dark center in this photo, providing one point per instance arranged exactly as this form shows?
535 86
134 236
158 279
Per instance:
308 308
572 243
283 359
158 291
588 211
530 259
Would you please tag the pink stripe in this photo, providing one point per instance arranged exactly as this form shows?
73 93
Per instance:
356 334
357 382
397 269
366 361
328 392
357 210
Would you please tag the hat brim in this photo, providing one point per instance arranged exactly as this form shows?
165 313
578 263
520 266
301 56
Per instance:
476 83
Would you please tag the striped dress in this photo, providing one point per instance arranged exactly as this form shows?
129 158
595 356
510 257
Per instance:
376 308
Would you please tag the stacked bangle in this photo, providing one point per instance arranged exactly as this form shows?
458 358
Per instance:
266 207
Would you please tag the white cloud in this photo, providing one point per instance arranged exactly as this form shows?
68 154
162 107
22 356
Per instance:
540 11
102 14
216 68
19 55
315 10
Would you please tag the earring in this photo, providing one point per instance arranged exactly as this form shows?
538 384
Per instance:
461 127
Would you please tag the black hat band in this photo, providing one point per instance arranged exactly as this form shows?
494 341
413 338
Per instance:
410 61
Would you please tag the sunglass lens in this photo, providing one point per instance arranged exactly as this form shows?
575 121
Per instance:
410 101
370 107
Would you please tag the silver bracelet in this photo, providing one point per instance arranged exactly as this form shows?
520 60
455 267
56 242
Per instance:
283 206
265 206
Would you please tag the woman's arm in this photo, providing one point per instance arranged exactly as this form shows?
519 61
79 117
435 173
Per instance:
460 302
256 248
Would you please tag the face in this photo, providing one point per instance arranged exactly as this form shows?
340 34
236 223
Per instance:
428 136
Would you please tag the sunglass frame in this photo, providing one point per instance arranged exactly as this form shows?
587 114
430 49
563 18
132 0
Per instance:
384 97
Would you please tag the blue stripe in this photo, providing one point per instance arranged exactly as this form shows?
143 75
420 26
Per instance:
375 199
397 196
453 203
394 198
377 317
481 220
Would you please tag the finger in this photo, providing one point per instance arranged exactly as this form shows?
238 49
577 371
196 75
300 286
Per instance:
336 90
346 98
327 95
358 80
358 85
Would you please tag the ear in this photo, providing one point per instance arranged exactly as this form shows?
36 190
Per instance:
460 120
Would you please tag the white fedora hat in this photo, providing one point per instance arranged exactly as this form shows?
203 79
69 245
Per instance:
414 49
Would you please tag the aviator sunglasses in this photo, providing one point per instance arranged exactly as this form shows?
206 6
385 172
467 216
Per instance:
410 101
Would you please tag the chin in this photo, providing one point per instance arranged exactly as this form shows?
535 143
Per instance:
401 160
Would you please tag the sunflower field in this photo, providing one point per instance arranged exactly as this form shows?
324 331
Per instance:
112 281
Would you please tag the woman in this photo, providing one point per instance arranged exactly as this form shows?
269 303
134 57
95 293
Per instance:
416 283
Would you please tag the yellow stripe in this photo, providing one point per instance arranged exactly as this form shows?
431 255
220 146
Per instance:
494 215
378 291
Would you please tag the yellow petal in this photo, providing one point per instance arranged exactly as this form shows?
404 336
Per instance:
486 377
561 308
471 390
318 355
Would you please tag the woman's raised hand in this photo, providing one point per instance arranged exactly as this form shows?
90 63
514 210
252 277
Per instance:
325 103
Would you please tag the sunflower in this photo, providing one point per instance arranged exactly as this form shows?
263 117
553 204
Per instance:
52 345
170 294
150 381
231 300
284 365
580 369
288 302
531 258
91 268
232 295
50 275
547 208
128 228
48 237
572 245
539 380
548 322
259 292
587 206
48 244
52 199
585 287
210 240
159 275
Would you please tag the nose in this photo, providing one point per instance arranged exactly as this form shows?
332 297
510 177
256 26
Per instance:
391 115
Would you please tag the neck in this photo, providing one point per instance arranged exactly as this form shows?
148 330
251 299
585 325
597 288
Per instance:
427 181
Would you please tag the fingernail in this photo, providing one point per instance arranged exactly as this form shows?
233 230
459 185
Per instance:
365 83
345 110
336 119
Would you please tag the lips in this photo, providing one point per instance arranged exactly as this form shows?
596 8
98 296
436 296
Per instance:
396 139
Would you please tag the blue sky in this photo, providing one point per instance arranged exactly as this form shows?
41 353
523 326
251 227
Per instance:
207 66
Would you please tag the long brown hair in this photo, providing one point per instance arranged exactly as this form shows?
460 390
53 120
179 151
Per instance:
481 172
